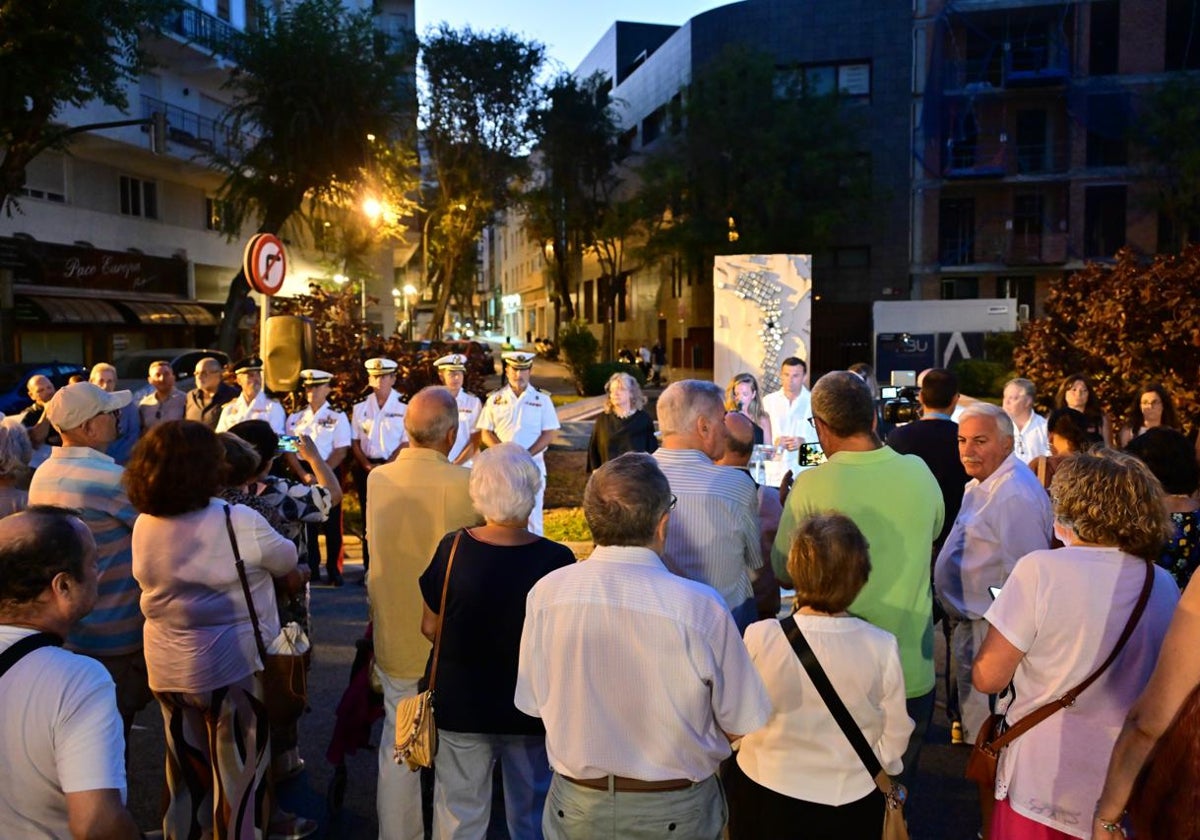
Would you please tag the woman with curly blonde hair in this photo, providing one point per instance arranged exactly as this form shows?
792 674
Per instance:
624 426
742 395
1055 621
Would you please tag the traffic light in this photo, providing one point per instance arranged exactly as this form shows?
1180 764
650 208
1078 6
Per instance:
158 133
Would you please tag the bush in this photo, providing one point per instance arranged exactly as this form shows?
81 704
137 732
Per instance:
579 349
595 377
981 378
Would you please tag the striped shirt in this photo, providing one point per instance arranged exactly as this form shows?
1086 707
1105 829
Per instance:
88 481
713 533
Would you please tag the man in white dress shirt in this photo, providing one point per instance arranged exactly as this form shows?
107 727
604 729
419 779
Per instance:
522 414
376 431
1005 514
330 431
252 404
453 370
639 675
1031 437
790 410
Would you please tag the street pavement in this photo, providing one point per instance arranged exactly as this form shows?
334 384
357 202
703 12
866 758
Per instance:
941 803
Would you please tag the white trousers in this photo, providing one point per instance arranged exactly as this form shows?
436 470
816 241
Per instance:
462 792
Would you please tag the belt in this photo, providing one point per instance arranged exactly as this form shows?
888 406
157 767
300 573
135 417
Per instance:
621 784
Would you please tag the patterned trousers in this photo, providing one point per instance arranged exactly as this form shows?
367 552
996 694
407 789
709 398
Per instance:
218 755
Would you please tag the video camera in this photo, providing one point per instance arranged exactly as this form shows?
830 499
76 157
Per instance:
899 404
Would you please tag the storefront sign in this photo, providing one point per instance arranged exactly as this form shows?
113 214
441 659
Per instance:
75 267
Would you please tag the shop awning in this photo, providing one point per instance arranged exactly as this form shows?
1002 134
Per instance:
65 310
153 313
197 315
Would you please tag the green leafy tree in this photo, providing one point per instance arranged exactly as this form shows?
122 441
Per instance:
478 105
575 158
1121 325
62 53
579 350
323 102
760 164
1168 132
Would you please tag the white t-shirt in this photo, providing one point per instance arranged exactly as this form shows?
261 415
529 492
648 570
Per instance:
198 634
60 733
801 752
1065 609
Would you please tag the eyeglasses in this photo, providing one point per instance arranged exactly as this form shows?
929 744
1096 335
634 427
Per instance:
812 421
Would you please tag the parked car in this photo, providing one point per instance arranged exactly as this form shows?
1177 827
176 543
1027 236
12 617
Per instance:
133 368
14 379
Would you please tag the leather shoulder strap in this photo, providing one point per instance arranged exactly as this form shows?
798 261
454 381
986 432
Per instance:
836 707
1042 712
17 650
437 634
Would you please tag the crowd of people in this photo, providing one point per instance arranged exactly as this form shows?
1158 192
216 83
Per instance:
148 548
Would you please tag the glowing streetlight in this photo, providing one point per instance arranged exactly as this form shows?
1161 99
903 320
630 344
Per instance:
373 209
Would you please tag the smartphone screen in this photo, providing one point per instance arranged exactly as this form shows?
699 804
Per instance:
289 443
810 454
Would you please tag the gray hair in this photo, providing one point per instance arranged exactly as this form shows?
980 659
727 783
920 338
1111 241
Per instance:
1025 385
1004 423
15 449
625 499
685 402
439 424
844 403
504 483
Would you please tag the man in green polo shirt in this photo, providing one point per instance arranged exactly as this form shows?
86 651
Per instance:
895 500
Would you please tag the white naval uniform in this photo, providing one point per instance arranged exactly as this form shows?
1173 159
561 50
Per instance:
521 420
379 431
328 428
469 409
261 408
790 419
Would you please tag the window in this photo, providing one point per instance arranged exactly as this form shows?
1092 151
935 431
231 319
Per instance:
1028 217
139 198
1108 129
849 79
1020 288
1104 41
1183 35
652 126
223 9
1103 220
1031 142
45 178
956 231
960 288
216 211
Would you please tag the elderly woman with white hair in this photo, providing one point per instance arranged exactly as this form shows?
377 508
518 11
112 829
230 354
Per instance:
492 569
15 453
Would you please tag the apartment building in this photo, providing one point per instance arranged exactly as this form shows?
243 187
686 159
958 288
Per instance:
1023 167
116 248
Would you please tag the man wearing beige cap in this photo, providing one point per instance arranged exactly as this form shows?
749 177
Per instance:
376 431
523 415
330 431
453 370
79 476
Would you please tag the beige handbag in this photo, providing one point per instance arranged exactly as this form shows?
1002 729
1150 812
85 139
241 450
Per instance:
416 733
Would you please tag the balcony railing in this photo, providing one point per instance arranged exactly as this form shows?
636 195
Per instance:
993 242
187 128
199 27
990 156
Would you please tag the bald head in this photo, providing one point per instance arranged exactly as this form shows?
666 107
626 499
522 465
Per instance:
739 442
432 419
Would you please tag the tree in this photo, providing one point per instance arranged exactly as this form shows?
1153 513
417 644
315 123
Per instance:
1121 325
62 53
479 98
576 155
760 164
1168 131
323 105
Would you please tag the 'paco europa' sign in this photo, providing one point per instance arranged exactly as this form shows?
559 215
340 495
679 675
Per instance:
76 267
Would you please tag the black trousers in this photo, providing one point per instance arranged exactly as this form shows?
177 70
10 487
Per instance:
332 529
757 812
